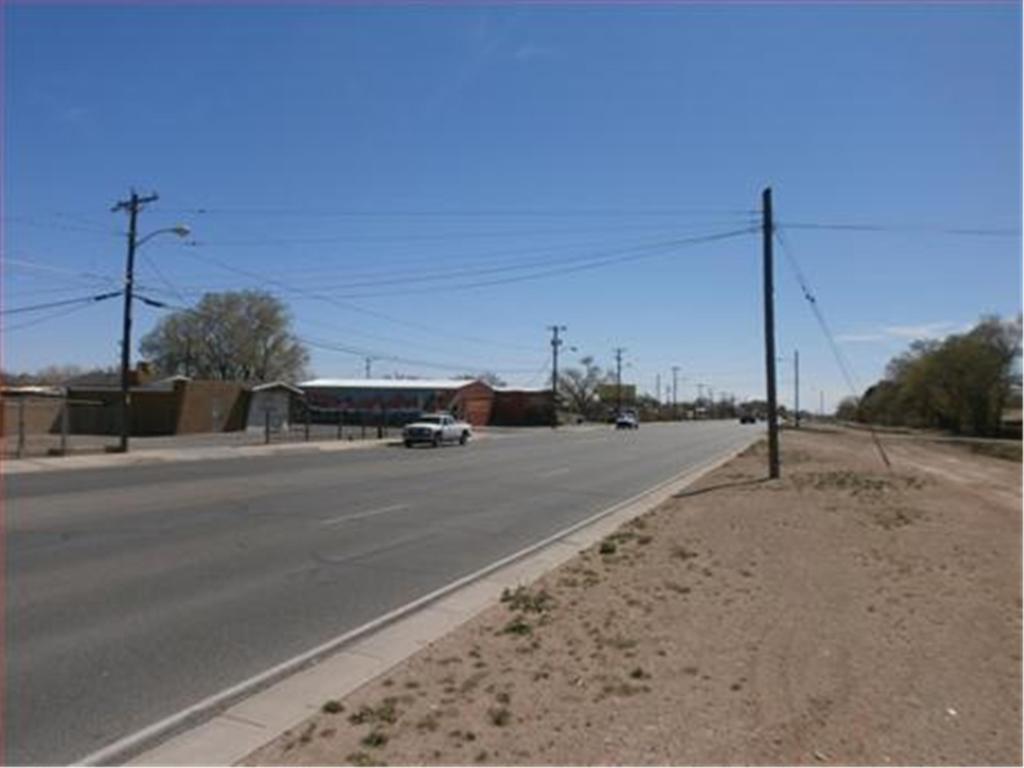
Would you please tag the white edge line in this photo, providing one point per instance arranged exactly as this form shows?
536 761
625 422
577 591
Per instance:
130 744
361 515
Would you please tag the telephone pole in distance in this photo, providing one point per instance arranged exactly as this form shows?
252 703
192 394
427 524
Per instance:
556 342
618 380
767 230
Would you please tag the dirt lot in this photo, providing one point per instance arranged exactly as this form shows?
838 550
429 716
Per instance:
842 615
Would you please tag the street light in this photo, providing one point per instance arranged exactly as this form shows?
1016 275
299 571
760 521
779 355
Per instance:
133 205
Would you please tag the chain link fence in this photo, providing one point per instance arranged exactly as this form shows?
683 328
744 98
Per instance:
56 426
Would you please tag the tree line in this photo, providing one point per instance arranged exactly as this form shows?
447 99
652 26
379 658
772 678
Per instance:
961 384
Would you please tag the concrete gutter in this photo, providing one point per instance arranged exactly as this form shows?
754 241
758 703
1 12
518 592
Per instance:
224 728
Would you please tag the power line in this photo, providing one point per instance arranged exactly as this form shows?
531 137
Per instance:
45 318
263 279
632 254
861 227
844 366
360 352
462 234
64 303
462 213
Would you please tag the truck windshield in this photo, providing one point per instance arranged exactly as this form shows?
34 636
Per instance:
429 419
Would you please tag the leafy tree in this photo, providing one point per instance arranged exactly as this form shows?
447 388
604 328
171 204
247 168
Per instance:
233 336
961 384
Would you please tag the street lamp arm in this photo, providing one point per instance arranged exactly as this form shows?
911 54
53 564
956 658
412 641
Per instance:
180 230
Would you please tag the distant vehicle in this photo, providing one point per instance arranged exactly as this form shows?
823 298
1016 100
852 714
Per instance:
627 420
748 418
436 429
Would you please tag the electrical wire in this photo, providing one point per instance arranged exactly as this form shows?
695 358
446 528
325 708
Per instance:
844 365
46 318
855 227
64 303
461 213
360 352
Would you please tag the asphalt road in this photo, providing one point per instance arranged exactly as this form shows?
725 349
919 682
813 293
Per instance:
133 593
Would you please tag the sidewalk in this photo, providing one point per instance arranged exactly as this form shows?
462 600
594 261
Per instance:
148 456
841 615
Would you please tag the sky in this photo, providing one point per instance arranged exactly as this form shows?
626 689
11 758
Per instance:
434 185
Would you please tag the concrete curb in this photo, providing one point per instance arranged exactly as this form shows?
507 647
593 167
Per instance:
224 728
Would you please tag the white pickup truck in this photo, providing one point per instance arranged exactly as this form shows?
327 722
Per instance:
435 429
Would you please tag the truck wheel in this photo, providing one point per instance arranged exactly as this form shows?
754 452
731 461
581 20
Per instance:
408 443
464 438
437 440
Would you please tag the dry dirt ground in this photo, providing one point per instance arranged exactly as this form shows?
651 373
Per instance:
842 615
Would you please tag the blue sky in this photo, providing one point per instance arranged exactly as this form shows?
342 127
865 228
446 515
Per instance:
375 165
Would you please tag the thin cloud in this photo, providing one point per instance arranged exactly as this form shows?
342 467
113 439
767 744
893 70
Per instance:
936 330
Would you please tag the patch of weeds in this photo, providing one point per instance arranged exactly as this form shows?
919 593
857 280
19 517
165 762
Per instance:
1008 451
307 733
682 553
522 599
607 547
326 733
682 589
622 689
895 518
471 682
639 523
639 674
621 643
412 684
502 697
361 758
332 707
644 540
517 626
462 735
449 660
427 723
385 712
480 756
499 716
375 738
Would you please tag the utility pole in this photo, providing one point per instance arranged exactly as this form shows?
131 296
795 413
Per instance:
767 228
675 390
821 403
700 399
556 342
711 402
796 387
369 362
618 380
657 388
133 205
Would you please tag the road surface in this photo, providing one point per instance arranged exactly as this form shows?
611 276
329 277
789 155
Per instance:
133 593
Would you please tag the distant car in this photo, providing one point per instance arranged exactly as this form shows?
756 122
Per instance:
436 429
748 418
627 421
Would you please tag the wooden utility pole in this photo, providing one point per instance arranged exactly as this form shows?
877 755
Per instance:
133 205
769 333
556 342
796 387
618 380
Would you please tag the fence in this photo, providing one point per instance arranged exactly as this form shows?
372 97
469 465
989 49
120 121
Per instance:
55 426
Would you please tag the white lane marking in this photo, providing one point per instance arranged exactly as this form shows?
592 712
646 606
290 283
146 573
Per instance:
361 515
554 472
